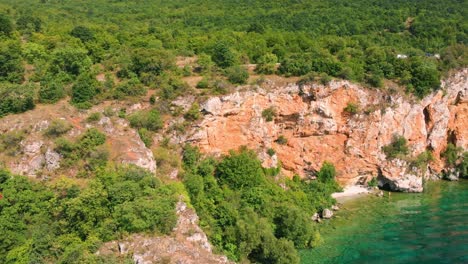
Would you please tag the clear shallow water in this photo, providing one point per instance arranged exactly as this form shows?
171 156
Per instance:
431 227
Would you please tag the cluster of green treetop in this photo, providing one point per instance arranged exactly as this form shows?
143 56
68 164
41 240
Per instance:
53 48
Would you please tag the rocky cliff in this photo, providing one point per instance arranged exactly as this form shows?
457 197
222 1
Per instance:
341 122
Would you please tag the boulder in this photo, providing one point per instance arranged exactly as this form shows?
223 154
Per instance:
315 217
327 213
395 176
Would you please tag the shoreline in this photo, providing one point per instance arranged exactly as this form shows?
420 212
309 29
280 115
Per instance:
350 192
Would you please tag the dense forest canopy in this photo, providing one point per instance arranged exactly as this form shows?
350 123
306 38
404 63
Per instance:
64 41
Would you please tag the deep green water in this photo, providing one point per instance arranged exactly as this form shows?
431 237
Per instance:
431 227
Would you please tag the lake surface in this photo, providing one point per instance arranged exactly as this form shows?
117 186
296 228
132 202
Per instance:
431 227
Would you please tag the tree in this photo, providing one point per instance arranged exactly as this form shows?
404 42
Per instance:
267 64
70 60
237 75
6 26
83 33
29 23
85 88
240 169
327 172
11 66
223 56
51 91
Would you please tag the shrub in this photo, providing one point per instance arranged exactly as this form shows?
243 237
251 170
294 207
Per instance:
267 64
269 113
237 75
51 91
271 152
422 160
146 136
57 128
373 182
281 140
451 154
85 89
10 142
16 98
203 84
325 79
351 108
327 172
94 117
193 113
396 148
150 120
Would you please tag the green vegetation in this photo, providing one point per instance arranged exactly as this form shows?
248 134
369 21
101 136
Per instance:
193 113
237 75
422 160
373 182
86 153
61 222
67 44
94 117
281 140
151 120
351 108
397 148
269 113
57 128
451 154
10 142
246 214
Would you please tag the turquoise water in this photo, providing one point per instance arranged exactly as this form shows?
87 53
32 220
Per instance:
431 227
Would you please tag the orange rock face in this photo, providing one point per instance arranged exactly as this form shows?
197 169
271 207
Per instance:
317 127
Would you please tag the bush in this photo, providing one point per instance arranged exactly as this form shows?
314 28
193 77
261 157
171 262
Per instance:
397 148
94 117
10 142
151 120
146 136
57 128
85 89
16 98
203 84
51 91
281 140
193 113
351 108
373 182
72 61
451 154
237 75
271 152
269 113
327 172
422 160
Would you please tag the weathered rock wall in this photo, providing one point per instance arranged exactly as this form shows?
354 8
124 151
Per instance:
317 128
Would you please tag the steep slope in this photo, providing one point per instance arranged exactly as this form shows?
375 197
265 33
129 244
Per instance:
318 126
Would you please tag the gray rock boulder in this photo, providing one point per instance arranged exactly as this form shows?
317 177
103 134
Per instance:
327 213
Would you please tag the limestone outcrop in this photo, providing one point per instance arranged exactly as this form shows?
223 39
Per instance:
187 244
316 123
